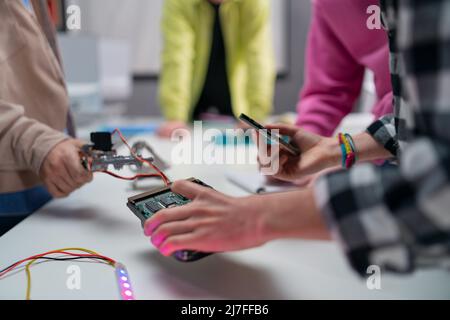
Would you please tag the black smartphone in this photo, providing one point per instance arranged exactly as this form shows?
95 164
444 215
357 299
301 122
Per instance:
273 137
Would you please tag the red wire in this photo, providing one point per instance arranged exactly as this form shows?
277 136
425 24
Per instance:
160 173
53 252
163 176
129 178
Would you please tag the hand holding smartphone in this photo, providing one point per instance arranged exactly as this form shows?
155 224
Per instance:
273 137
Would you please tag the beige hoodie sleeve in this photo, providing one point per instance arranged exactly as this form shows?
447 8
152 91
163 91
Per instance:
24 142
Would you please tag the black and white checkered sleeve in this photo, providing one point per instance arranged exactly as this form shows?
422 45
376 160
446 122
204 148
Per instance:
384 132
393 217
398 217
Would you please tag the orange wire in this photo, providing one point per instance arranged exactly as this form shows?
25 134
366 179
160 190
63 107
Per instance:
129 178
160 173
52 252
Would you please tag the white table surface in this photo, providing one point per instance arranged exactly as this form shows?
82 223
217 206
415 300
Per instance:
97 218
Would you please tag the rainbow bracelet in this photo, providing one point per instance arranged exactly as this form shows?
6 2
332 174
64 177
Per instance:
348 150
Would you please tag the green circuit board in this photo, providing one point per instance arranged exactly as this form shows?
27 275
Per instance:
169 199
148 203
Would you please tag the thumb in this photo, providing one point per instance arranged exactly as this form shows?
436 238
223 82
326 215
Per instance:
78 143
284 129
188 189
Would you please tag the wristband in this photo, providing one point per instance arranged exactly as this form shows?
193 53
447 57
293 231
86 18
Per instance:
348 150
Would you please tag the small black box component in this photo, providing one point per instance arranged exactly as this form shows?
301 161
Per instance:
147 204
102 141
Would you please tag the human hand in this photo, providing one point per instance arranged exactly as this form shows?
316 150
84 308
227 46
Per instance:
167 128
61 171
304 182
240 125
317 153
214 222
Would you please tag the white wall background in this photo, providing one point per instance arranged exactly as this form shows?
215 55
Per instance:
138 21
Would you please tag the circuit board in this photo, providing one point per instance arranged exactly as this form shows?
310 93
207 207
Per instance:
169 199
147 204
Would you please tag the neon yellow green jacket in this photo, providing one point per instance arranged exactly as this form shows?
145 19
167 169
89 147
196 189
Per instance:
187 35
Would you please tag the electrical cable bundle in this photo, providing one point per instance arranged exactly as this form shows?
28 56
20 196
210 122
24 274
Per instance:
158 173
68 254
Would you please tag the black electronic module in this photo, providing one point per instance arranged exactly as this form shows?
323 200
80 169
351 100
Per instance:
147 204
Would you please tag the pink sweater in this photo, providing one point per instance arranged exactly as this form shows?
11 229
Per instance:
340 47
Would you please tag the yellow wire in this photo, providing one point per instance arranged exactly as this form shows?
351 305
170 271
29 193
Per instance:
27 267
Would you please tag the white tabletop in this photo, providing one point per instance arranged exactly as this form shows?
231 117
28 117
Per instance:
97 218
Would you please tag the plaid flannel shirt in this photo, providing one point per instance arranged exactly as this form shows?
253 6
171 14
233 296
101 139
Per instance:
398 217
